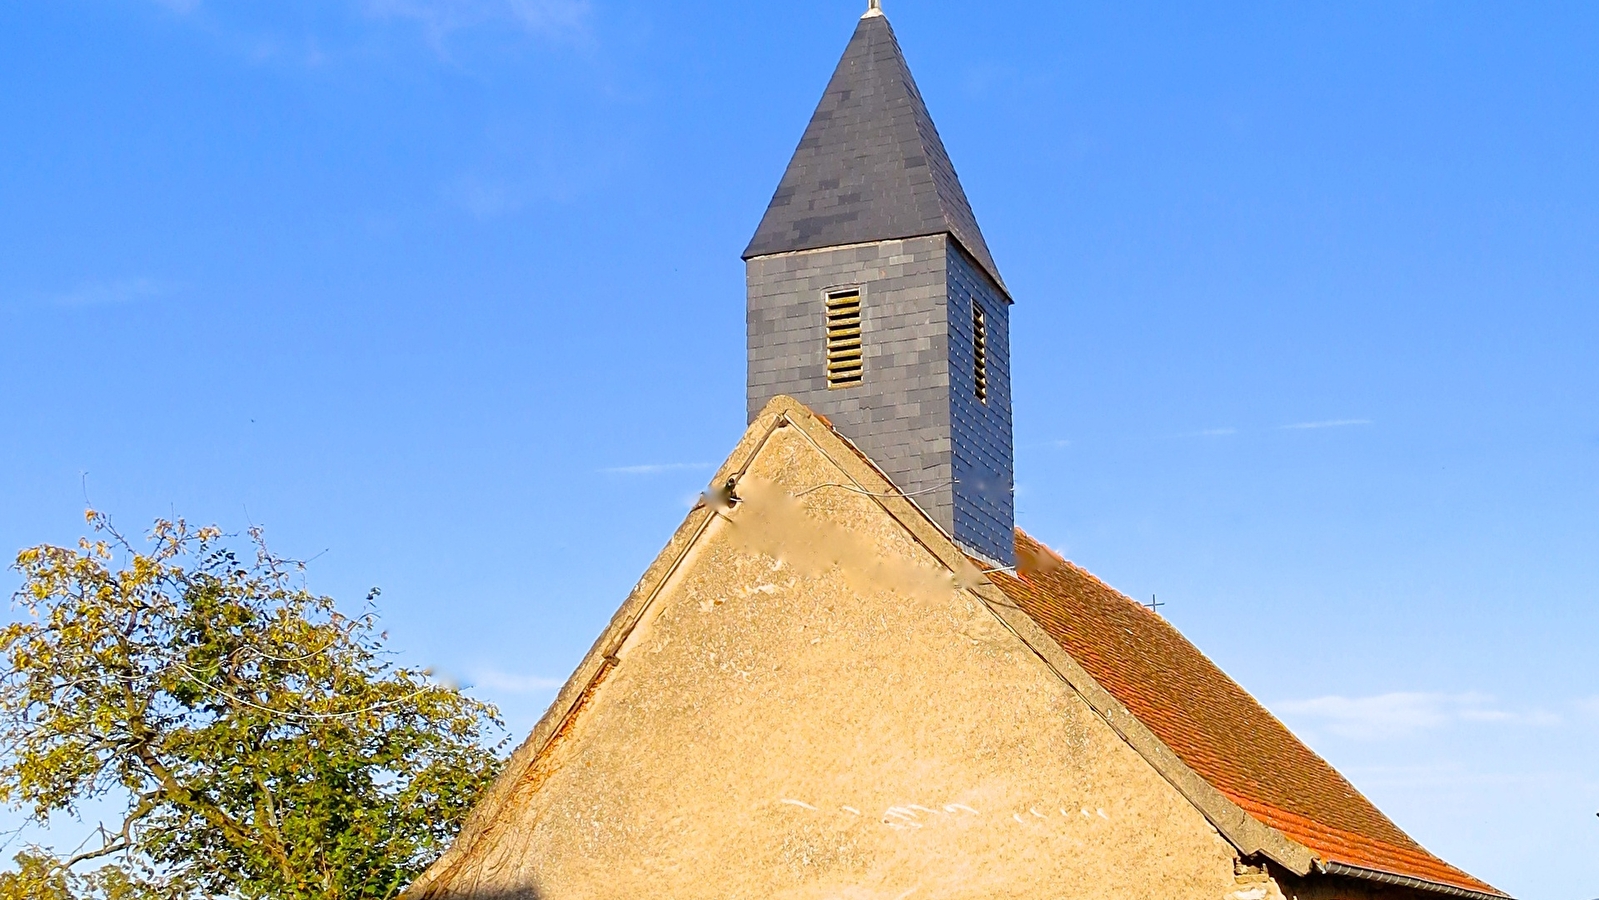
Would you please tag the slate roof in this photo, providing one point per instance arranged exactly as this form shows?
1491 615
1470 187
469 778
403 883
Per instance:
870 166
1211 723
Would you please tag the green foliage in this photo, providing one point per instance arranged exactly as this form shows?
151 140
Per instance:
41 876
37 877
264 744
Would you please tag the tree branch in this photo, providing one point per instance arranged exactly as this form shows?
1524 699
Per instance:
124 838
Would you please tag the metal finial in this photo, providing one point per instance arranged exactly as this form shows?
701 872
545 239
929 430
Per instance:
873 8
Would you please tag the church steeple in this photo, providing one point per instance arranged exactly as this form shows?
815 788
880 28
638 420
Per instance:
871 165
874 300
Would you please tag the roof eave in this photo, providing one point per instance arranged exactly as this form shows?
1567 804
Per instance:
1392 878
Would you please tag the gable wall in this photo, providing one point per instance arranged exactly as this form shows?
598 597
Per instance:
779 726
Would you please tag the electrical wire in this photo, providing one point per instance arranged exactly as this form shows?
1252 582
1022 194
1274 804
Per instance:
852 488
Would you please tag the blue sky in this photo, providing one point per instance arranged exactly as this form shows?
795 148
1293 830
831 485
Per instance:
448 292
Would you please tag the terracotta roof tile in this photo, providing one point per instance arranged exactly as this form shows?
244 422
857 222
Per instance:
1211 723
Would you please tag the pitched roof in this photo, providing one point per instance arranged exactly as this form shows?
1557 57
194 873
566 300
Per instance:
1211 723
1196 715
870 166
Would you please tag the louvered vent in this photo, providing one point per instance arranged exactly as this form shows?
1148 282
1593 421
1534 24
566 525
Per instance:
979 353
844 365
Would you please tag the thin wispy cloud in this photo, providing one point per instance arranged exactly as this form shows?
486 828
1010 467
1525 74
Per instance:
109 293
562 21
484 198
509 683
1330 423
558 19
1589 706
1404 713
655 468
1453 776
980 79
523 167
1207 432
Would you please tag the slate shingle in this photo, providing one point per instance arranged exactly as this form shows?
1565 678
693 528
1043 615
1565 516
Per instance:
870 166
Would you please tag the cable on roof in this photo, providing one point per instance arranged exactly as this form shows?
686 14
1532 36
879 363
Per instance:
847 487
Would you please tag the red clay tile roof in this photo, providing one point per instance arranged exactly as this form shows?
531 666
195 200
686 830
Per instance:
1211 723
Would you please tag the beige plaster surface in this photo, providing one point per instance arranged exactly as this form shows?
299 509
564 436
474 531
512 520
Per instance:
811 707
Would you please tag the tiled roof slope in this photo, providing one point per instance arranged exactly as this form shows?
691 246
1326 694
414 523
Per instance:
1211 723
870 166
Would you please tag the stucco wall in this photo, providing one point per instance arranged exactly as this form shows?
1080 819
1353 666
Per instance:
810 709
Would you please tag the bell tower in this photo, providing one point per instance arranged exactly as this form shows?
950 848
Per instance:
873 299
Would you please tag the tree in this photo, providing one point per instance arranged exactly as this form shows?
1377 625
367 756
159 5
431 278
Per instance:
263 742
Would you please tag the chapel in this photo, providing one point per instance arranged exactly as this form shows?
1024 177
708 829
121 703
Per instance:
850 676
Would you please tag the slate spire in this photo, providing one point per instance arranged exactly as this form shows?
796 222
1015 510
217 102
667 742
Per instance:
873 300
870 166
